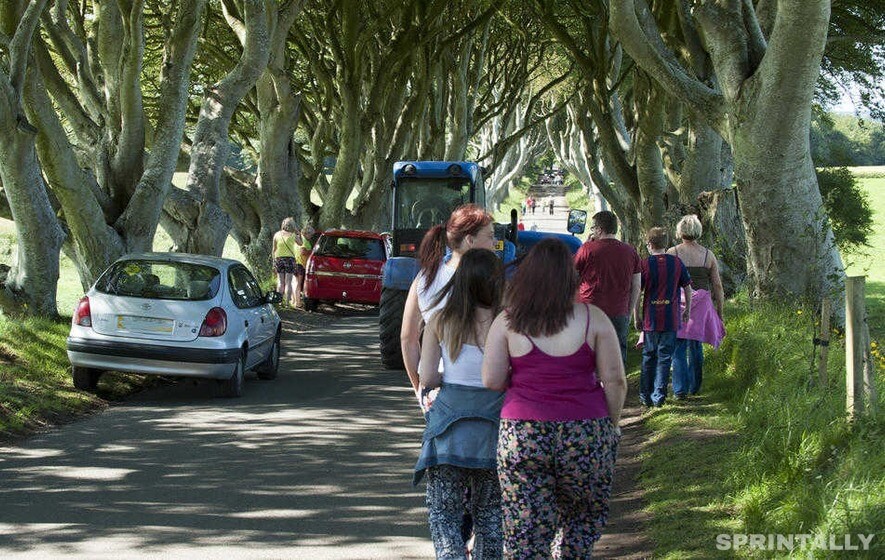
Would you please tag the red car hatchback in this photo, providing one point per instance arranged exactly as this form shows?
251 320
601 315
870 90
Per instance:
345 266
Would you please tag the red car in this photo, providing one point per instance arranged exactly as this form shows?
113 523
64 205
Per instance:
345 266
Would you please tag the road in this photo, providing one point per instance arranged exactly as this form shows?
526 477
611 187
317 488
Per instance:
315 465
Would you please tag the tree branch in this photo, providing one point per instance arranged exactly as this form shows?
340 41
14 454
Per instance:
20 44
642 42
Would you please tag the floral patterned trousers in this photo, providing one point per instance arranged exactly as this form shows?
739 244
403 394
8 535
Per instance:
447 487
556 480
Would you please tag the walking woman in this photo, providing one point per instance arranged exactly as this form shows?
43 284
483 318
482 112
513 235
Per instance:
286 247
560 364
469 227
458 449
705 315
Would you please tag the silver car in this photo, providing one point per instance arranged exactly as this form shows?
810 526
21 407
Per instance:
178 315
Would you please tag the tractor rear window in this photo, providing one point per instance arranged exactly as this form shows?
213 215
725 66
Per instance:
423 203
160 280
350 248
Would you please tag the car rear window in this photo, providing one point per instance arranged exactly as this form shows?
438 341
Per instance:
160 280
350 248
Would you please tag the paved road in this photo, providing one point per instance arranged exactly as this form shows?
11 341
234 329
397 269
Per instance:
541 217
314 465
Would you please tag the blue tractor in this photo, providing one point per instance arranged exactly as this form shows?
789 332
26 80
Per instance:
424 194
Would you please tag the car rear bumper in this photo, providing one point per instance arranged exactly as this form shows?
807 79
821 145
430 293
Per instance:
152 359
327 291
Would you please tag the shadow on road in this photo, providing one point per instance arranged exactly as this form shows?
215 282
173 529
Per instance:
319 459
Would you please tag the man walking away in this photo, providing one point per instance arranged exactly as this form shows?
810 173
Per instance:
610 274
658 315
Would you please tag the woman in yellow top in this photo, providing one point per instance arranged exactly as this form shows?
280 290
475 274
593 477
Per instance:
287 250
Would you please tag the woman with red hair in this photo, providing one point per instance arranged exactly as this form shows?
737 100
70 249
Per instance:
560 364
469 227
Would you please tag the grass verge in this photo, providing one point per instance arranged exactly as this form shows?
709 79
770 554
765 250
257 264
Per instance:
764 451
35 378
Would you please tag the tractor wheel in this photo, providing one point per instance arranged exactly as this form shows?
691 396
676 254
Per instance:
390 321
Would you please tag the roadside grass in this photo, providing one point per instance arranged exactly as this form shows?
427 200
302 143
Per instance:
764 450
575 195
35 379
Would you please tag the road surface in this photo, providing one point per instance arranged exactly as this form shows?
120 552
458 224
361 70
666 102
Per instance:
315 465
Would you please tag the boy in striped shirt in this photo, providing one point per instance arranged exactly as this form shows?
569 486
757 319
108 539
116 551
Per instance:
657 315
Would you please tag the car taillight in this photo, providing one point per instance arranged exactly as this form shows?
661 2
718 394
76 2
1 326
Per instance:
82 314
215 323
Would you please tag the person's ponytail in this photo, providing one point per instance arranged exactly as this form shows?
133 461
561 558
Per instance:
432 250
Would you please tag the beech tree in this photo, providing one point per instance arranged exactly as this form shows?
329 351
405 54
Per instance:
766 59
108 167
197 222
29 285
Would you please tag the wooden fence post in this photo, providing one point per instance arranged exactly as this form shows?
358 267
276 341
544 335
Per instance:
824 341
854 342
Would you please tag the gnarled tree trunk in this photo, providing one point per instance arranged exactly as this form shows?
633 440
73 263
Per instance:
29 286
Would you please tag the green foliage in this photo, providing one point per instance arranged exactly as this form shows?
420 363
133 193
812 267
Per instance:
766 450
870 263
838 140
575 195
514 200
848 207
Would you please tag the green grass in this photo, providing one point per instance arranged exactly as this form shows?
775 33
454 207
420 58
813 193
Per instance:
764 450
868 261
35 379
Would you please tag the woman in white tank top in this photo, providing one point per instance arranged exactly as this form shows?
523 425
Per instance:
459 444
468 227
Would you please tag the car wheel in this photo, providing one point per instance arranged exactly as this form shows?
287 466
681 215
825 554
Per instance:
233 387
390 322
268 369
311 304
85 379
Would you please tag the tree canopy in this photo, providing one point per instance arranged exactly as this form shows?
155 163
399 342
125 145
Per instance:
299 108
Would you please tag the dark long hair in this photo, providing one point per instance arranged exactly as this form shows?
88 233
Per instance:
478 282
465 220
540 296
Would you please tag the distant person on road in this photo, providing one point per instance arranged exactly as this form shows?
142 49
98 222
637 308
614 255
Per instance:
705 321
458 450
658 316
559 363
467 228
610 274
285 249
551 203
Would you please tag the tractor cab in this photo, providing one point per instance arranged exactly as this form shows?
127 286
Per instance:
425 193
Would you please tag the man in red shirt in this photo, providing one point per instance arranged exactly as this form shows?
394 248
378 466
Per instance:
610 274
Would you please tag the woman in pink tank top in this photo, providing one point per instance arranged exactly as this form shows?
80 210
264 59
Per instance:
560 364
